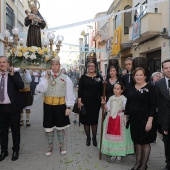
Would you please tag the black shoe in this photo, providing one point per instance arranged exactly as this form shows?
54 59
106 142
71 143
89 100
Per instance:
88 141
74 122
138 168
15 156
166 168
94 142
3 155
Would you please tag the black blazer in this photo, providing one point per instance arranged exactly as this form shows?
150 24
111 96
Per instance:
15 83
126 83
163 102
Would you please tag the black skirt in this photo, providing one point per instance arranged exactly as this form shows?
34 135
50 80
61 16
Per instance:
92 107
138 120
54 116
27 98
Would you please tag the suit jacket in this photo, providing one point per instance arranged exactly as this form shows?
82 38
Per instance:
126 83
15 83
163 102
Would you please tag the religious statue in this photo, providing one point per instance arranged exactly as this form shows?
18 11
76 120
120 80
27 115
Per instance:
35 22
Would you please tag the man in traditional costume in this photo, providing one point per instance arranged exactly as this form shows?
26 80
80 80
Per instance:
35 26
58 100
27 95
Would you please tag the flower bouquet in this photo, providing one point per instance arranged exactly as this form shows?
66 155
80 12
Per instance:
30 57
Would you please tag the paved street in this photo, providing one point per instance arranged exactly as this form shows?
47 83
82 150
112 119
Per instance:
79 156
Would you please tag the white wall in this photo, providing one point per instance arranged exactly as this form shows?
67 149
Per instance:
2 26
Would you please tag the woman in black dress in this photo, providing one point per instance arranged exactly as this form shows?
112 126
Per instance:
112 78
89 95
141 109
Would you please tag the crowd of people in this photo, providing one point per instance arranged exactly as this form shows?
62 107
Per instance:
135 108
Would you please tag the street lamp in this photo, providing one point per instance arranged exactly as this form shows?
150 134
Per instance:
45 43
21 41
51 37
15 31
58 43
10 41
6 35
50 41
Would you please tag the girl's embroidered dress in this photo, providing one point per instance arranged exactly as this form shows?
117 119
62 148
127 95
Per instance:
116 138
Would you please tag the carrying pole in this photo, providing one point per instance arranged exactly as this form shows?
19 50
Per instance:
101 134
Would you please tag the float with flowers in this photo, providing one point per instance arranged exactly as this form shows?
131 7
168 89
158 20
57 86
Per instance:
31 57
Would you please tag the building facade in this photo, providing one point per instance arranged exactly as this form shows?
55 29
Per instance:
12 15
152 30
113 34
142 31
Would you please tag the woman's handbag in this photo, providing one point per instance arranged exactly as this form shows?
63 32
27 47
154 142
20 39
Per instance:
83 111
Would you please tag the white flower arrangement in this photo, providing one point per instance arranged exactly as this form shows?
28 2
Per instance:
30 56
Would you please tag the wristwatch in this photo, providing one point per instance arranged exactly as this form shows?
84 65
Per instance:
68 107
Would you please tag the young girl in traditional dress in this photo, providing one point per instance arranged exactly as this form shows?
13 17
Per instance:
116 138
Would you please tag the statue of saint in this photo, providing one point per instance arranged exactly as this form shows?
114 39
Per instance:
35 22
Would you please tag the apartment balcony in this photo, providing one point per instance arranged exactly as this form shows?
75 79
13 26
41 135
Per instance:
150 27
103 39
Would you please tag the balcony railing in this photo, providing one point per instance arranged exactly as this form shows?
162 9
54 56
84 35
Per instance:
150 26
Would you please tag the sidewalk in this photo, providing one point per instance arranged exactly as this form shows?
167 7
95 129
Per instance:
79 156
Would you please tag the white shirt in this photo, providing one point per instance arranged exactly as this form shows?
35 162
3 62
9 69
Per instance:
70 97
27 76
166 80
36 78
7 100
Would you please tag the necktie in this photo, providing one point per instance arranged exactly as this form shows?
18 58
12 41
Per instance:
169 83
2 83
129 79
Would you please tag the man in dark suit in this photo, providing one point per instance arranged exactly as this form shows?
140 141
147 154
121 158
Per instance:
10 108
127 78
163 97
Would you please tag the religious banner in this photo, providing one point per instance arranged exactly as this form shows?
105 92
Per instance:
136 28
116 41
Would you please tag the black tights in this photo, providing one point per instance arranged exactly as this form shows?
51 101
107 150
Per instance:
142 155
87 130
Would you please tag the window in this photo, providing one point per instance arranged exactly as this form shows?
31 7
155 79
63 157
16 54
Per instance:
114 25
10 18
156 10
127 20
117 20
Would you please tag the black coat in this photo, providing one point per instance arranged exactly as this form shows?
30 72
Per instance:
125 80
163 102
15 83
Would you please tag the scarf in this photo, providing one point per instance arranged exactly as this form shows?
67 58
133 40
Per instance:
116 105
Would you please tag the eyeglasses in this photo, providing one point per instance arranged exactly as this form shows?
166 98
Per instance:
91 66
